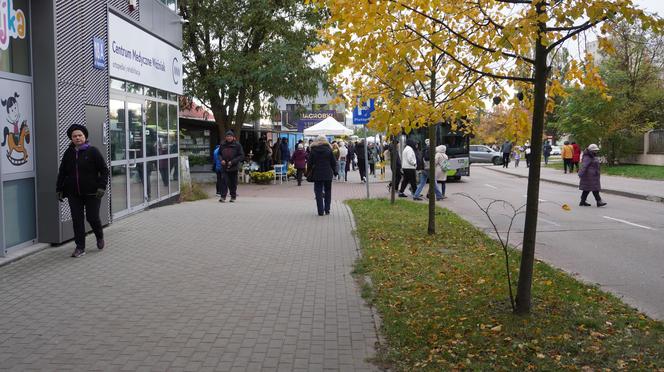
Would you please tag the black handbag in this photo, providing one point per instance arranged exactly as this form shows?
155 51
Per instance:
309 174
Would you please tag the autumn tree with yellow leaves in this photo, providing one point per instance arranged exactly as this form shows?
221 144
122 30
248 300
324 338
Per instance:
502 122
492 45
416 85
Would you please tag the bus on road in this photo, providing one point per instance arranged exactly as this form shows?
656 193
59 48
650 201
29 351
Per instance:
458 147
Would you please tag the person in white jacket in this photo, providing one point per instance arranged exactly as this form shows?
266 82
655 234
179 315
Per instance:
408 165
442 166
343 153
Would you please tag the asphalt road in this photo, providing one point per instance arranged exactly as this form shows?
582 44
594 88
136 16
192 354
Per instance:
620 247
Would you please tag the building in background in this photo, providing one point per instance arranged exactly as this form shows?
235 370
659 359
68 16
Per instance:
198 133
294 115
112 65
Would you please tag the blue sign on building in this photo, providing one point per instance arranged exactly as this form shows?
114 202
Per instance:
99 53
362 114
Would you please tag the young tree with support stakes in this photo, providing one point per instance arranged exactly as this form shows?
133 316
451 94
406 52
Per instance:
510 44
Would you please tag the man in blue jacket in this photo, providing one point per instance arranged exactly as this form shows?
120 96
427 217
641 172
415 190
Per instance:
217 168
285 153
230 157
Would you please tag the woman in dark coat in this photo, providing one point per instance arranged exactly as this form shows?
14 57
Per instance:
324 169
589 176
82 179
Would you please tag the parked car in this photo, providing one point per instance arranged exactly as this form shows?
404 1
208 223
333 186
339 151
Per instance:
484 154
555 150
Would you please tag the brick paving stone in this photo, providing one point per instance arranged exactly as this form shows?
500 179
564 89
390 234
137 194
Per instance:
261 284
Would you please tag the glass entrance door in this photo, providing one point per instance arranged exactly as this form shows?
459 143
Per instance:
128 186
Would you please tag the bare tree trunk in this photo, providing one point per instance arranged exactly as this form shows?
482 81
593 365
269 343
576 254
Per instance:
393 167
523 295
431 230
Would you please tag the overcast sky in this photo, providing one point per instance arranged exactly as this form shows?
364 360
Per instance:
656 6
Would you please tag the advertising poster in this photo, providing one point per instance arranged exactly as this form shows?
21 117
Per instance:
309 119
16 125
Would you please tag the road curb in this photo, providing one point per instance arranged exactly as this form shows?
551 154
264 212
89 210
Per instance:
375 315
23 253
652 198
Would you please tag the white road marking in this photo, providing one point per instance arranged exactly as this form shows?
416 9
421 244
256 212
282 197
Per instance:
628 223
547 221
491 186
541 200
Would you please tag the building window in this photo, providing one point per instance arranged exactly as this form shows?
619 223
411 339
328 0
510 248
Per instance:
20 215
171 4
117 84
15 45
144 146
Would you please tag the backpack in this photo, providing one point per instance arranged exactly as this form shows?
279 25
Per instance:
420 160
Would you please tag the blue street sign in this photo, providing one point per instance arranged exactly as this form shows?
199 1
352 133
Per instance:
361 115
99 53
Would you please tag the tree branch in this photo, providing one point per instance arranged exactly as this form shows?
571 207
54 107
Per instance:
461 36
467 67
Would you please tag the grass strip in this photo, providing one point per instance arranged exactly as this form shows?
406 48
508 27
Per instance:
444 302
647 172
192 192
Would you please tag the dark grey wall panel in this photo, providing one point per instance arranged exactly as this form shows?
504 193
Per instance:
77 82
96 80
46 124
123 7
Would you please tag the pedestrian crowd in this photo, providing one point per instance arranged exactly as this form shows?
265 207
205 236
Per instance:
412 169
83 173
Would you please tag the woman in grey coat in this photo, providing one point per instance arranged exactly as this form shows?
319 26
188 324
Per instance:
589 176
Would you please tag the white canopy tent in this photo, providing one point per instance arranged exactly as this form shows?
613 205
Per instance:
328 127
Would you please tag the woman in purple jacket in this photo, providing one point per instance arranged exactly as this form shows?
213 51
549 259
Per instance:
299 159
589 176
82 179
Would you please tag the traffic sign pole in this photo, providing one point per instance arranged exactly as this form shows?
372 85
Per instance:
362 118
366 157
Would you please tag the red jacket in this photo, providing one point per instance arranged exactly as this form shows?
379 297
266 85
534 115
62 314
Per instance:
576 155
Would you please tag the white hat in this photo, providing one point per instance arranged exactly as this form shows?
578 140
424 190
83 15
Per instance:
593 147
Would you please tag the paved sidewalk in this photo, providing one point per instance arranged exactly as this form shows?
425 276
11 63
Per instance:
261 284
624 186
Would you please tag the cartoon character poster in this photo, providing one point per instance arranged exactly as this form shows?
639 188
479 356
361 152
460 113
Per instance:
16 127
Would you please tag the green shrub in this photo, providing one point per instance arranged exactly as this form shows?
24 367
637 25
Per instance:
199 160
